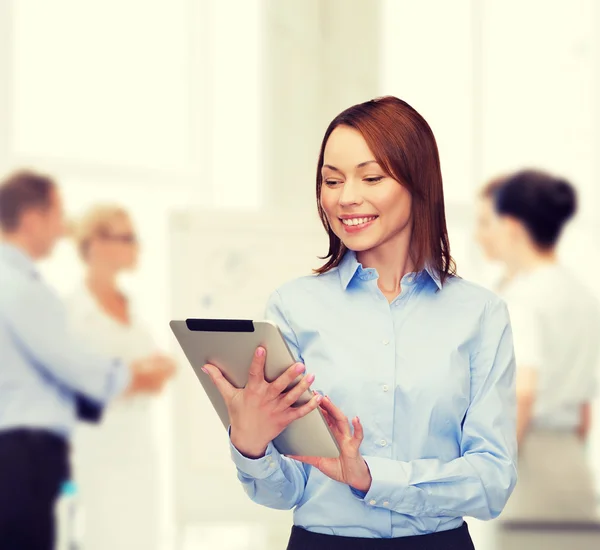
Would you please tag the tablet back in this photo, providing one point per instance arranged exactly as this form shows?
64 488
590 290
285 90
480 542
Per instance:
230 346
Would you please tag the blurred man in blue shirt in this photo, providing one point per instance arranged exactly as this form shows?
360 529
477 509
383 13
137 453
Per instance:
47 379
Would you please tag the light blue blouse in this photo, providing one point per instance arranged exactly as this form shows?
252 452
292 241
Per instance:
431 375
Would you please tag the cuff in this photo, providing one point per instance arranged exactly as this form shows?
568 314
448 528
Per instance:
389 479
358 494
119 379
257 468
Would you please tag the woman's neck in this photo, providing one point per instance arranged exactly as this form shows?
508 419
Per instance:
392 261
102 284
102 281
530 259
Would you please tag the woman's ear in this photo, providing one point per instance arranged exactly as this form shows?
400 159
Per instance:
517 229
509 225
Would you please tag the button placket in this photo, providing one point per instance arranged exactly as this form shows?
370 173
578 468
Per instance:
387 430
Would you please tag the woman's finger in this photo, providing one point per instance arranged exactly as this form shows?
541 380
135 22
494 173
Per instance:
289 398
338 416
281 383
256 374
226 390
298 412
332 409
330 422
327 417
358 430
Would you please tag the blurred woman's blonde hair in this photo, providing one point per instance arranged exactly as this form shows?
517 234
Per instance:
95 222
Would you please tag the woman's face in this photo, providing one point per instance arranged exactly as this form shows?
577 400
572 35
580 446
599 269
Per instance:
118 247
365 207
488 231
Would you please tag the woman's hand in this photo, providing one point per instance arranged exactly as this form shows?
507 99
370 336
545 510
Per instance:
350 467
259 412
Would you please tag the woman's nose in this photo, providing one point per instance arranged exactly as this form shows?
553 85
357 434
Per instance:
350 194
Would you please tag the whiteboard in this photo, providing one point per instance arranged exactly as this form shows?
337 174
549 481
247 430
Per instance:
225 265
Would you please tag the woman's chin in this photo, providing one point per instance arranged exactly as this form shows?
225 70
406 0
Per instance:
359 244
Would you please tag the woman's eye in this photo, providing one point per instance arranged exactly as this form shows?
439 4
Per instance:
373 179
332 182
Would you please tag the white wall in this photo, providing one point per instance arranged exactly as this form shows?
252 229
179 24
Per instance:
136 102
504 85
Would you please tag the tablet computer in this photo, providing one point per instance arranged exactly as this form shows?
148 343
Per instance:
229 344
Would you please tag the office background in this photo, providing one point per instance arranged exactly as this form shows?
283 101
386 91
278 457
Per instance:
204 118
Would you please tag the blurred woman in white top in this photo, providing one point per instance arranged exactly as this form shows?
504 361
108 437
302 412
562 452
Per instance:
116 462
556 328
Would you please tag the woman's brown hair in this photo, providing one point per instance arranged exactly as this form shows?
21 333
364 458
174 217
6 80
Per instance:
405 147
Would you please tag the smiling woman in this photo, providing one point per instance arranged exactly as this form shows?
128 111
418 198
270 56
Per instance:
406 189
415 363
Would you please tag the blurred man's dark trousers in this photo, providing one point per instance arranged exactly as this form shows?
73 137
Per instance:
33 465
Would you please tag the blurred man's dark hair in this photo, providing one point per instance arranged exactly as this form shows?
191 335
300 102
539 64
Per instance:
543 203
20 192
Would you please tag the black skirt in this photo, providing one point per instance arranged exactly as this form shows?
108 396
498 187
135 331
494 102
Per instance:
454 539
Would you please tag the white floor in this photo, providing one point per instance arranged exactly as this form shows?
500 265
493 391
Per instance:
231 536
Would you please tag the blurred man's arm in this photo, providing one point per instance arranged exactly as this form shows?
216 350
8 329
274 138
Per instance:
585 421
38 323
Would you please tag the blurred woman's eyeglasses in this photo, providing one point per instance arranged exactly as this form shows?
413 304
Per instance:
127 238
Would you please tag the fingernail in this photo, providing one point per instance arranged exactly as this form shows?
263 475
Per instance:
260 352
310 378
319 398
204 370
358 419
299 367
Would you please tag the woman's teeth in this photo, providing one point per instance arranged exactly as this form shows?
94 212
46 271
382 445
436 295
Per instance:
358 221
